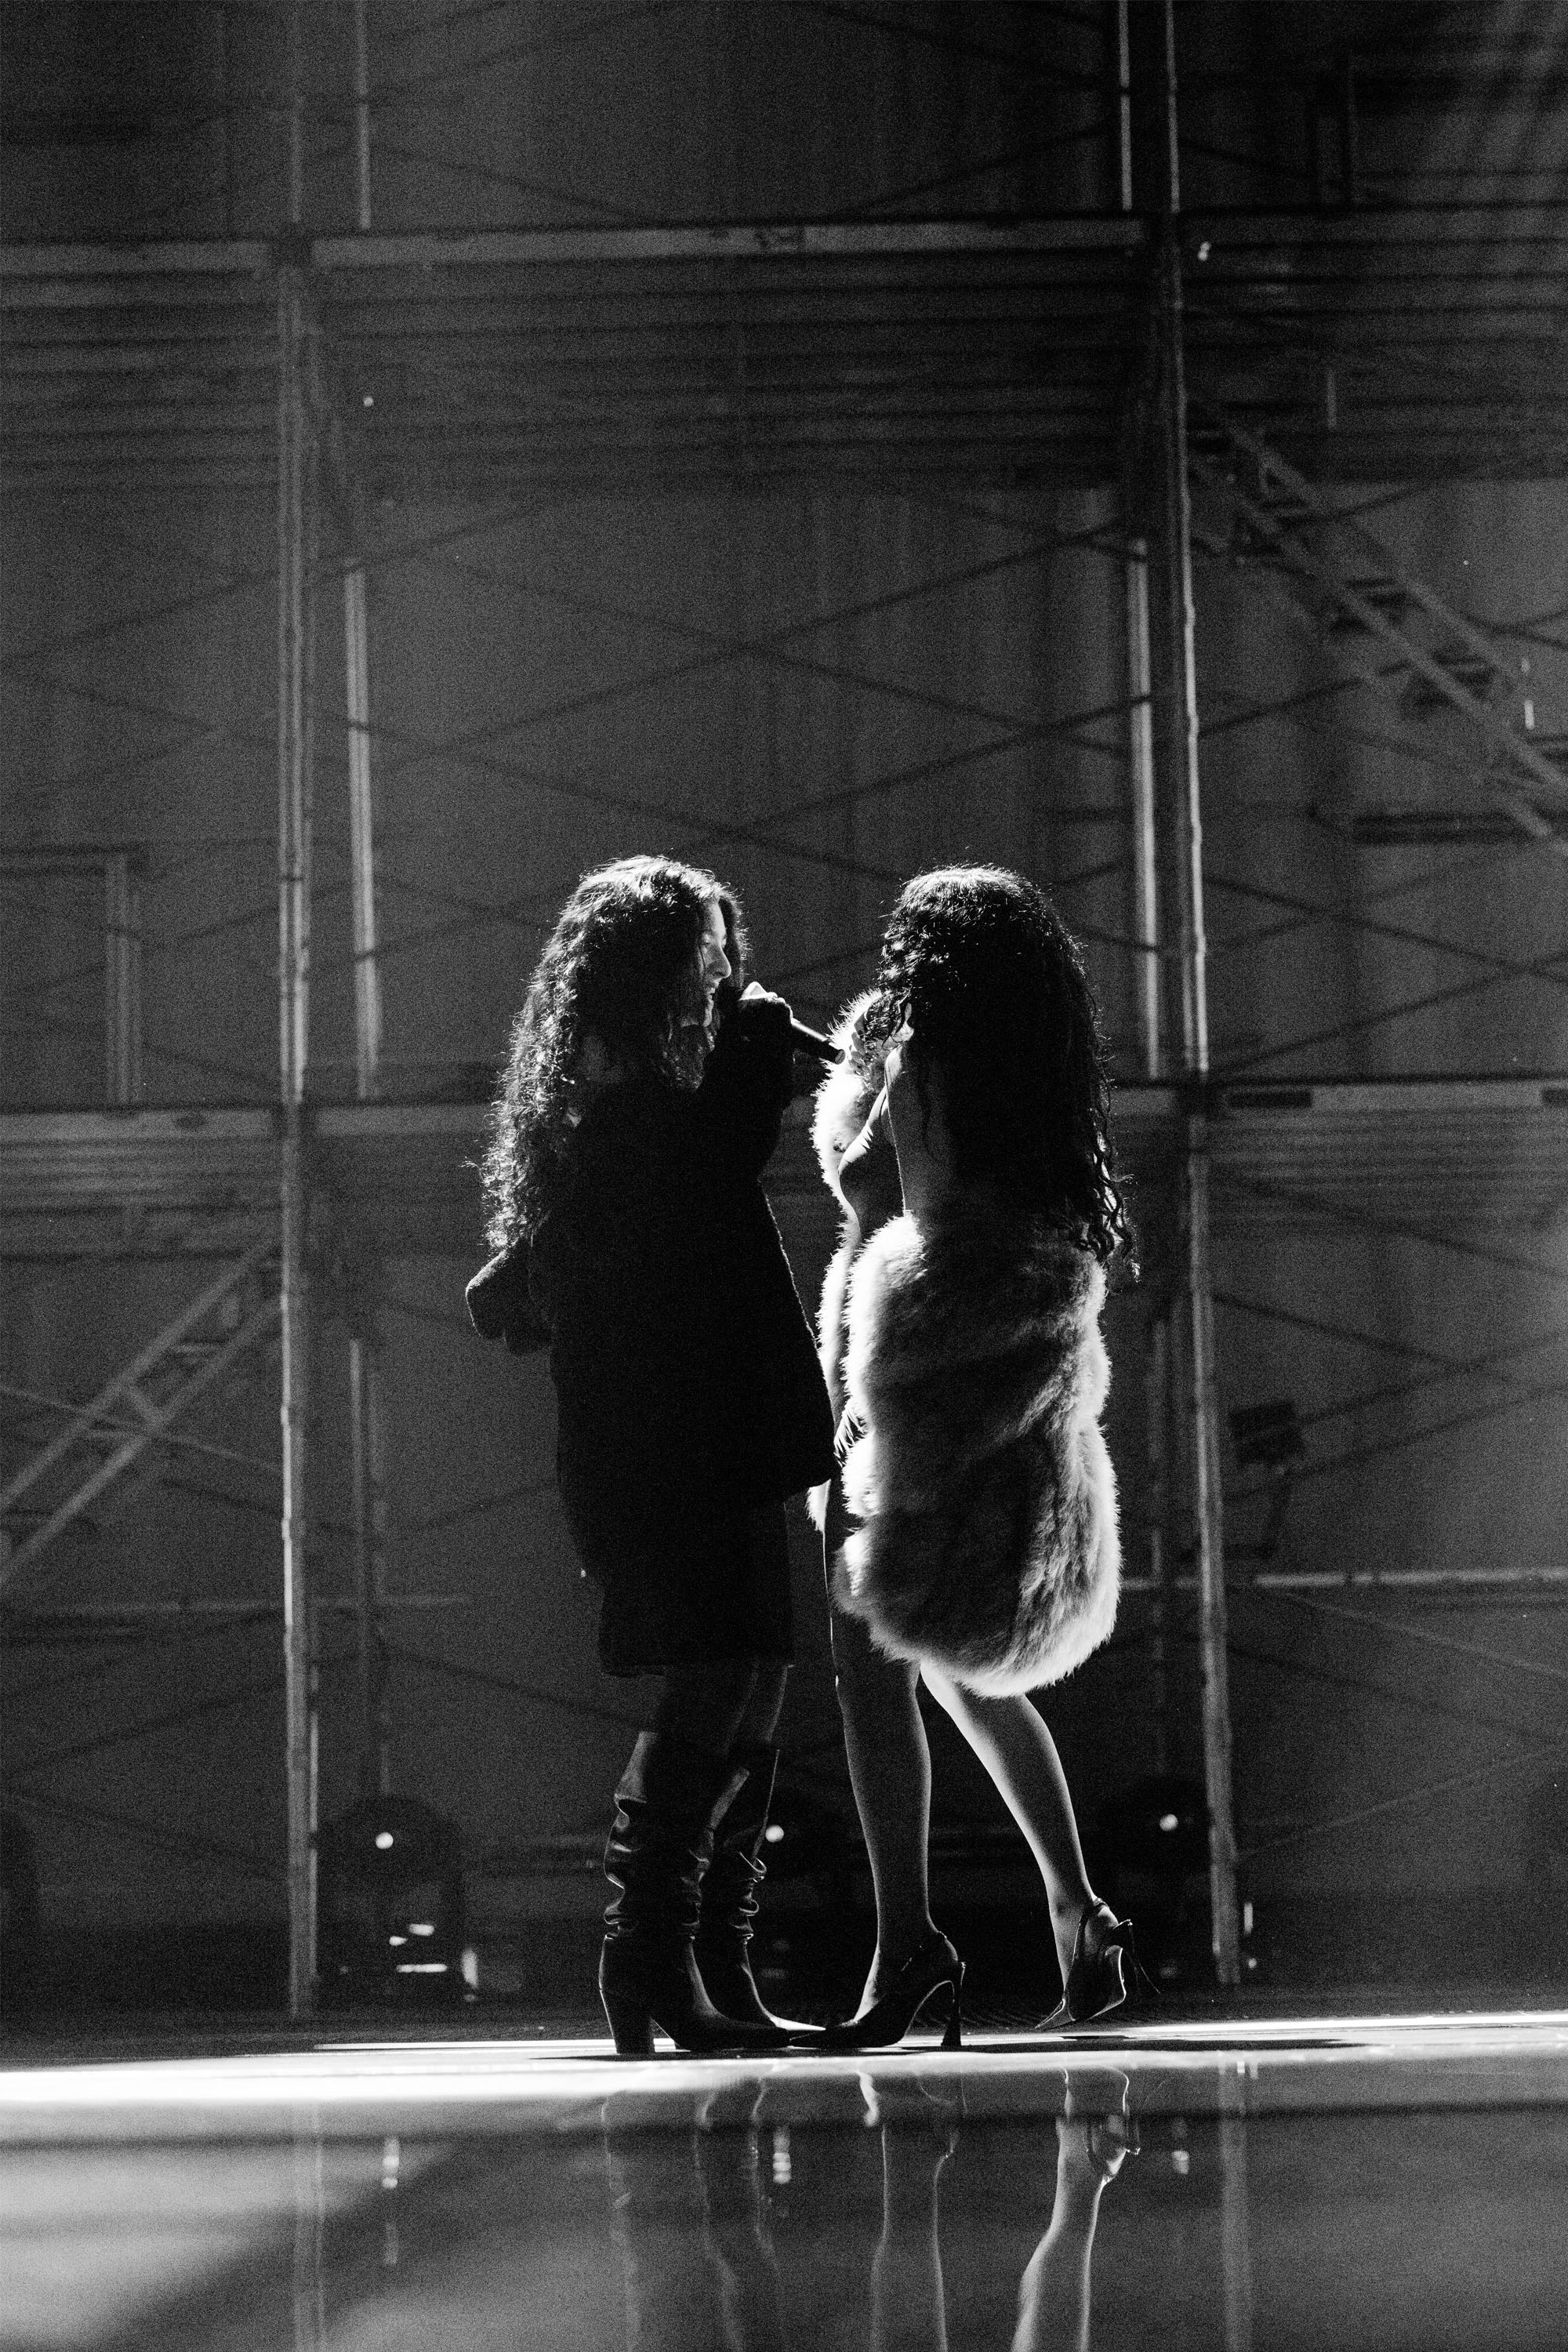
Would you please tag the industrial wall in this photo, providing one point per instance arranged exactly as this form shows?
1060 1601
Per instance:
818 696
817 690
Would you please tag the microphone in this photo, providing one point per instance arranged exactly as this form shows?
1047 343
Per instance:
813 1042
804 1040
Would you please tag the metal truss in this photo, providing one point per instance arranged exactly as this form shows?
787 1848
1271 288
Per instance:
1381 620
937 358
119 873
120 1429
890 351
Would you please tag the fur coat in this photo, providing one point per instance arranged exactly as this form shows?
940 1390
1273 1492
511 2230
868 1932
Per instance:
970 1368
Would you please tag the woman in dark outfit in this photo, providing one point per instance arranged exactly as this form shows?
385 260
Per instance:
642 1100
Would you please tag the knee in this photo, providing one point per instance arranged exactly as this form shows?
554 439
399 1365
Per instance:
870 1688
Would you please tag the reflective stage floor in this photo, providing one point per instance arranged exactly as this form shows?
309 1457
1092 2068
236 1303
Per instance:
1336 2181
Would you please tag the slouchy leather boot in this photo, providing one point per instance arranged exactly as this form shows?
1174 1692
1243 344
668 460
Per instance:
671 1795
730 1892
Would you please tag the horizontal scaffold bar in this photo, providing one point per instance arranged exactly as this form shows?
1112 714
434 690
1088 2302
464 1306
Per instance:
1424 230
1424 1155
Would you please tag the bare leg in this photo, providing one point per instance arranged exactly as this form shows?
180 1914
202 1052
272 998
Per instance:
1012 1742
1053 2294
909 2305
705 1704
889 1770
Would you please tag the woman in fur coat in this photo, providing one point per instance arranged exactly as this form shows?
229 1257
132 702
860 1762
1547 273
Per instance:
971 1530
642 1100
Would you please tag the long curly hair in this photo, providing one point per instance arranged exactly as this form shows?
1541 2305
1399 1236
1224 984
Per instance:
977 961
621 964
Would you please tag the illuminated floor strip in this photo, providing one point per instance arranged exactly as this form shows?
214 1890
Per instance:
1279 2066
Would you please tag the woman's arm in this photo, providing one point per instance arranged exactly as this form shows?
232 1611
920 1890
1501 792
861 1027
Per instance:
920 1138
869 1173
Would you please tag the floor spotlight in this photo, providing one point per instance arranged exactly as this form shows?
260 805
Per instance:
390 1905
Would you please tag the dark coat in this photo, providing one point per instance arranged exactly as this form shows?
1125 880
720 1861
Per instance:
685 1376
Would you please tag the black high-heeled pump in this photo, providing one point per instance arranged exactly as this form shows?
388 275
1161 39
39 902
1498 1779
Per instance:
931 1967
1104 1973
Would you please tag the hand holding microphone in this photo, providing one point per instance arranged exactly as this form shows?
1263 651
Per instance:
803 1039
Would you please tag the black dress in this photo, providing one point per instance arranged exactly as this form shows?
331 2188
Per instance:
691 1400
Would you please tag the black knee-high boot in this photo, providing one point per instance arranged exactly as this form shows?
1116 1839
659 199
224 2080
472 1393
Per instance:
729 1891
671 1795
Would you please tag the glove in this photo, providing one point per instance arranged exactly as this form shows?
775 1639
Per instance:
501 1304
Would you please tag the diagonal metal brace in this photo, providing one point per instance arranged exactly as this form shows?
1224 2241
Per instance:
105 1415
1378 622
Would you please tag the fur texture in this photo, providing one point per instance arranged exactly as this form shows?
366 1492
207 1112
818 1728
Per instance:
986 1543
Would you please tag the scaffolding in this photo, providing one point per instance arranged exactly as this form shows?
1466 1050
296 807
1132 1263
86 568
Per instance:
334 370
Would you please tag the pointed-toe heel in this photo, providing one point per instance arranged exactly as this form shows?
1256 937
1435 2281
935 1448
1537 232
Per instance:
1104 1974
933 1967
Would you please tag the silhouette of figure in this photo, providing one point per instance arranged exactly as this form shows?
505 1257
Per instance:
701 2271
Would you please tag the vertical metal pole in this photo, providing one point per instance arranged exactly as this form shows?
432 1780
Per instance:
225 128
1203 1399
121 981
133 1073
356 669
296 180
113 990
1124 100
310 2301
365 1390
361 836
293 1009
1145 840
1150 1039
360 1455
1157 1416
1140 679
1148 978
1139 671
362 113
1212 1630
365 1400
1235 2210
293 1031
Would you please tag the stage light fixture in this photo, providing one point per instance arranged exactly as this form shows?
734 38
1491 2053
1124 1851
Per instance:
390 1905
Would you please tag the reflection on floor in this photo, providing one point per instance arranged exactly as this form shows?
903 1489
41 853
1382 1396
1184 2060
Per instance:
1346 2182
